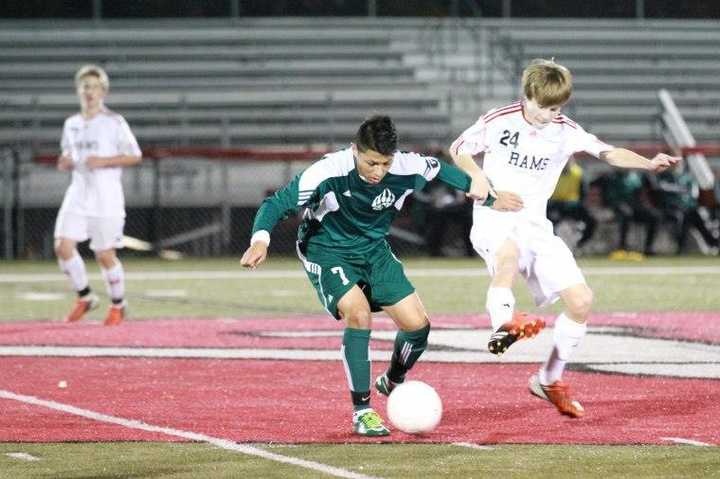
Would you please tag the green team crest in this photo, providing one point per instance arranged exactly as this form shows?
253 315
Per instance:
383 200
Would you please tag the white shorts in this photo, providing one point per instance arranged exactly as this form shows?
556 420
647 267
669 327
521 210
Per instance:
545 261
104 233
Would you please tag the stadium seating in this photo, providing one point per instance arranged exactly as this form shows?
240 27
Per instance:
301 81
620 65
215 83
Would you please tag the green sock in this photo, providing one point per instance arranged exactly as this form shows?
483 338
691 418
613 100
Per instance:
355 353
409 345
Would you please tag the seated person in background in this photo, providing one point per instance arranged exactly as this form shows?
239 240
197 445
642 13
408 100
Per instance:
567 201
676 193
438 208
627 194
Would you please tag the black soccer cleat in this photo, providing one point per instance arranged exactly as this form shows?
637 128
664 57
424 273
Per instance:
522 326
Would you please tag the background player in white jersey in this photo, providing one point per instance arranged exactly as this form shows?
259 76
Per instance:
526 145
96 144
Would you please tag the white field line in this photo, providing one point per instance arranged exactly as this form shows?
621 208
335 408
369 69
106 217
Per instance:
192 436
473 446
23 456
414 273
680 440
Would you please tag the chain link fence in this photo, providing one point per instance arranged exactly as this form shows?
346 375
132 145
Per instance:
201 202
188 201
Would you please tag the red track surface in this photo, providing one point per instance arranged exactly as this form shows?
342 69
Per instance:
307 401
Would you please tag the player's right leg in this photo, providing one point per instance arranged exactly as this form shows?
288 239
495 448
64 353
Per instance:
69 230
336 282
508 325
354 310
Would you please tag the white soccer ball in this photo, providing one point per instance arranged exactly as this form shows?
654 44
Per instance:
414 407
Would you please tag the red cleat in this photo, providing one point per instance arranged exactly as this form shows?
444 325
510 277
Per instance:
82 306
116 314
558 393
522 326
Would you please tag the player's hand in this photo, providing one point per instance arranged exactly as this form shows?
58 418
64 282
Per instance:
94 162
662 162
507 201
64 163
480 187
254 255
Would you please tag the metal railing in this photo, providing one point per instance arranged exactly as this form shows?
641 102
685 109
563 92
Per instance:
677 134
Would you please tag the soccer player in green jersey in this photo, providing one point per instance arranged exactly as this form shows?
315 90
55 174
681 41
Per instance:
351 198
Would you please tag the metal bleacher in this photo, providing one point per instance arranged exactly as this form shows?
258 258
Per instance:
252 83
619 66
309 81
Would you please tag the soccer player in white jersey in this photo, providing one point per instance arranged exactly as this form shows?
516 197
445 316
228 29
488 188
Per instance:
96 144
526 145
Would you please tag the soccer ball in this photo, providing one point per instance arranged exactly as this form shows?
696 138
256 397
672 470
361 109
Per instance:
414 407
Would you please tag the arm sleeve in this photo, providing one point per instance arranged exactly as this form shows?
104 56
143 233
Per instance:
584 141
471 141
277 207
127 144
65 146
454 177
458 179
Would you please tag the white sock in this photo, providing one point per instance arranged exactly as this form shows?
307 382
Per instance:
115 281
74 268
500 304
567 336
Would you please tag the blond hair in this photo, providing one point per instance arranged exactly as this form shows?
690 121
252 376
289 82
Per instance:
547 83
95 71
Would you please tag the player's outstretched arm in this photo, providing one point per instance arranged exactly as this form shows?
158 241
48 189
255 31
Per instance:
623 158
273 209
254 255
64 163
94 162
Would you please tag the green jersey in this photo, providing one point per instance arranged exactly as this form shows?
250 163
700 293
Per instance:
343 211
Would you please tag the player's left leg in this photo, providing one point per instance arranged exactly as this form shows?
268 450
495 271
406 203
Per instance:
393 292
555 275
570 328
410 342
105 237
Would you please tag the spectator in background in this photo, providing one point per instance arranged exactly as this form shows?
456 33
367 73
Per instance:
437 209
627 193
676 194
443 207
567 201
96 144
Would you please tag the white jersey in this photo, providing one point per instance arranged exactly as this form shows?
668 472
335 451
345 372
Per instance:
522 158
96 192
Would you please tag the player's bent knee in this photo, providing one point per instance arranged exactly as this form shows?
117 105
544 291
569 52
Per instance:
63 250
579 303
417 323
358 318
106 258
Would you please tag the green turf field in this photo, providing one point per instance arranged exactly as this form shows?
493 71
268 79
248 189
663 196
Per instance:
194 461
659 284
246 294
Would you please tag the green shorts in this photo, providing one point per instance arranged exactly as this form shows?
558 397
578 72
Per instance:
378 273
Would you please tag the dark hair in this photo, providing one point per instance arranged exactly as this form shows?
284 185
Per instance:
377 133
